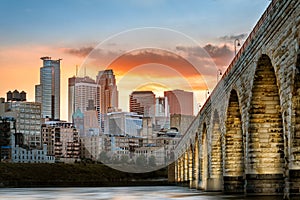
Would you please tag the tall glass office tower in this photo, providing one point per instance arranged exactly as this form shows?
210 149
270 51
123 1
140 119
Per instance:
48 91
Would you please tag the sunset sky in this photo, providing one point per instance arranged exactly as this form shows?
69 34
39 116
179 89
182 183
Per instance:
150 44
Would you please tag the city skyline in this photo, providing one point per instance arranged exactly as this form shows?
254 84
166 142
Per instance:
212 105
84 93
22 46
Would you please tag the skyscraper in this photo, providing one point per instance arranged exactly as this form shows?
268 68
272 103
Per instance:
180 102
107 94
48 91
162 114
142 102
82 90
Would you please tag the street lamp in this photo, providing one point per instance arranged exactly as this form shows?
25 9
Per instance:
219 73
199 106
207 94
236 43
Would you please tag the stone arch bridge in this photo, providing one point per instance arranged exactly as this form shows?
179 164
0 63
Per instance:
246 138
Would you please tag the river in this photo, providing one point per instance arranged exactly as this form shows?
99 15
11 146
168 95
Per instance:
113 193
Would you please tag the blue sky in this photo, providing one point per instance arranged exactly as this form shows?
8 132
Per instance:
68 21
70 29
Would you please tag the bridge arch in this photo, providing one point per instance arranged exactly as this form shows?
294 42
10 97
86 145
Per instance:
265 132
294 176
234 147
196 159
191 165
203 159
215 180
266 75
296 114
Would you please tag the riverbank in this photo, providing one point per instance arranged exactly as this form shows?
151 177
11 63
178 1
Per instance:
75 175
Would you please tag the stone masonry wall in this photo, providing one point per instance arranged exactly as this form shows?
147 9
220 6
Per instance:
265 135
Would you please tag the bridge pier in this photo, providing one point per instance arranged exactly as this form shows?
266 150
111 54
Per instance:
175 172
264 184
203 160
214 184
294 184
215 179
190 166
186 168
195 177
234 184
178 173
181 170
234 148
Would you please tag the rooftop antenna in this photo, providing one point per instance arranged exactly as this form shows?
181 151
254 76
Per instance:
74 94
76 70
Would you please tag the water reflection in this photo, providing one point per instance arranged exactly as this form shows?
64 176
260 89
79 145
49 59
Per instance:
112 193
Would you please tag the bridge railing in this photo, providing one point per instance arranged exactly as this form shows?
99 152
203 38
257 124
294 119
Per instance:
250 37
245 44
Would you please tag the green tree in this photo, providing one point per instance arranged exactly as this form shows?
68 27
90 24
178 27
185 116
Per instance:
103 157
141 161
124 159
152 161
115 160
131 162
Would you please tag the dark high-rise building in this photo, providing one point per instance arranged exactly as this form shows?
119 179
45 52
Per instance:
16 96
142 102
180 102
48 91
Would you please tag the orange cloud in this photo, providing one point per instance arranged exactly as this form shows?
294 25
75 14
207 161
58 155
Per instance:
128 61
154 69
188 68
20 69
187 60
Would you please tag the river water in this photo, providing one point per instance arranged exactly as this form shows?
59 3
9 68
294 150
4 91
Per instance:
112 193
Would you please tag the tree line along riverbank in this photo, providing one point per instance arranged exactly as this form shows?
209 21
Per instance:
74 175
